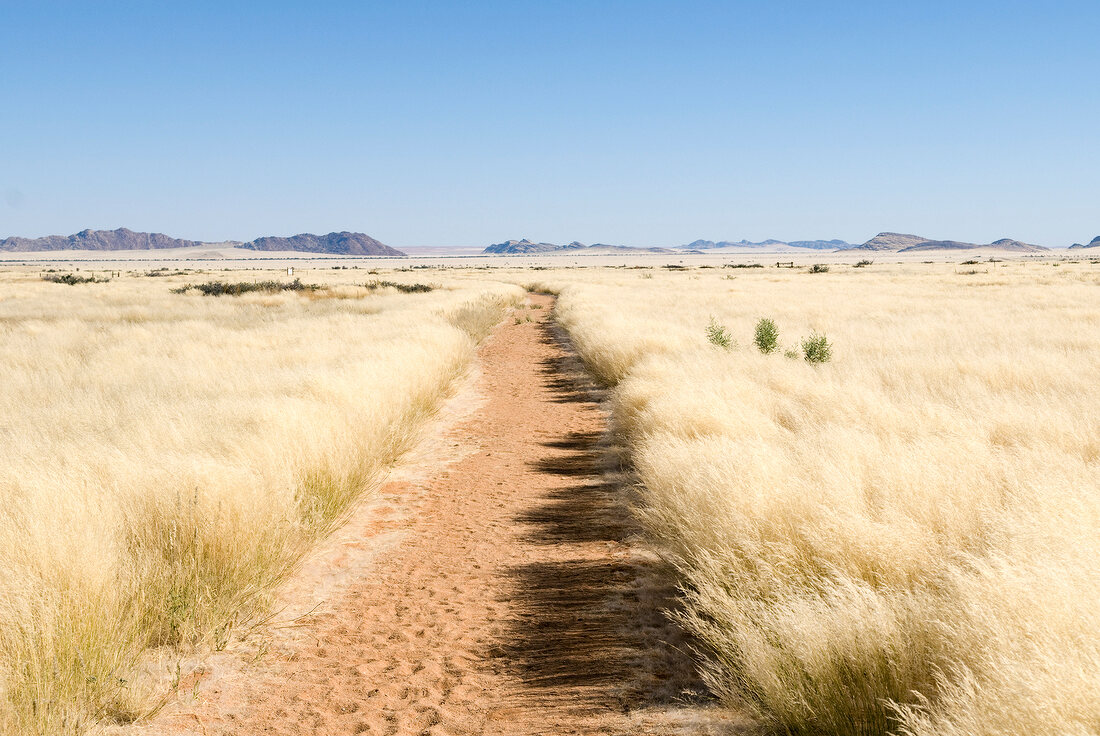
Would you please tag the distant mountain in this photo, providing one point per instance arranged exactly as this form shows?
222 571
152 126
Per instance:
770 243
901 243
121 239
1010 244
710 244
343 243
514 247
524 246
821 244
892 241
1002 244
1094 244
626 249
355 244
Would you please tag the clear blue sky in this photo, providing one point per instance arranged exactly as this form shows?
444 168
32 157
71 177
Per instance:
464 123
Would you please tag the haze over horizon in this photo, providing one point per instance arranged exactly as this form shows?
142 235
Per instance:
647 124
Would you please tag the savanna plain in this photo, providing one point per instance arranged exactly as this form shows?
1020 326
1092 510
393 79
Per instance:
876 489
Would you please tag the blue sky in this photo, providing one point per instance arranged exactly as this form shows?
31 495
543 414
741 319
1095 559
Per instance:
464 123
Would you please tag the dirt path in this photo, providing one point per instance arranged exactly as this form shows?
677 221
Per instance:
495 589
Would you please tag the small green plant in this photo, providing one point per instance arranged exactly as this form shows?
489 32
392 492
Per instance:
865 262
766 337
718 335
791 353
819 268
816 349
536 306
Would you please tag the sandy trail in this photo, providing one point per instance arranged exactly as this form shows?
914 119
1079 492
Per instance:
496 588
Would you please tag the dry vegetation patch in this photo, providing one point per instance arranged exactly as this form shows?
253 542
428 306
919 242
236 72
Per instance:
168 457
902 539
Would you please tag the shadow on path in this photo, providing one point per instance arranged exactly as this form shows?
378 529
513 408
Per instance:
589 630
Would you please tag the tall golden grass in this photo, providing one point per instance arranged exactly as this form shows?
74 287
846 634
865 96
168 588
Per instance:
167 457
904 539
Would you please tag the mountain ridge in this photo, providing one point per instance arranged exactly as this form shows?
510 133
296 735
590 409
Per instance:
88 239
339 243
835 244
892 241
905 243
524 246
1094 243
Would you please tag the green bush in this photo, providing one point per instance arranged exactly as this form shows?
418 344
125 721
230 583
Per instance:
819 268
767 336
718 335
403 288
225 288
816 349
72 279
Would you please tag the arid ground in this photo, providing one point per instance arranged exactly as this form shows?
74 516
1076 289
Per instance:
848 498
496 585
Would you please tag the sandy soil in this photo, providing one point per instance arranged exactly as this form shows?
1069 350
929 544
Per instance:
495 585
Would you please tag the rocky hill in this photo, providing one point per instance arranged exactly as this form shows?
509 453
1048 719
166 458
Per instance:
902 243
1002 244
120 239
343 243
525 246
1094 244
892 241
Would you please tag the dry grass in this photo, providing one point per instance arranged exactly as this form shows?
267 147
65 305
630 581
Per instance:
901 540
167 458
